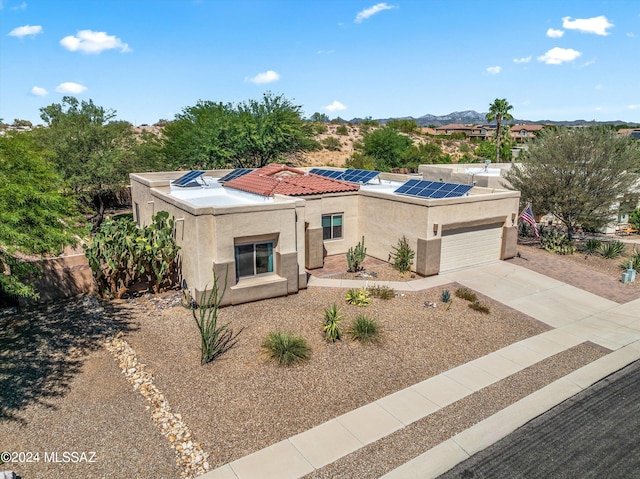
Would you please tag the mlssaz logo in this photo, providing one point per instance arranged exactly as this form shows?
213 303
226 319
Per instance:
70 457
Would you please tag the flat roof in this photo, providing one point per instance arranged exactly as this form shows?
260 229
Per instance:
212 193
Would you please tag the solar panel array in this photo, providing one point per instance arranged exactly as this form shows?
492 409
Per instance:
432 189
188 178
235 174
351 175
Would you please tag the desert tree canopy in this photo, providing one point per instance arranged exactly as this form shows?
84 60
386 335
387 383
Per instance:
250 134
35 218
577 174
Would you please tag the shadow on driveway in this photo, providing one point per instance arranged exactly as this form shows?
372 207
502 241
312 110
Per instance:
44 346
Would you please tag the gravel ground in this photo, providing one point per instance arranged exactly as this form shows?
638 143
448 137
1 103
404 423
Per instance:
242 403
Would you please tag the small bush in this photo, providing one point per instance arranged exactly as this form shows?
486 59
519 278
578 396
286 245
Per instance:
591 246
635 261
342 130
365 329
612 250
445 296
466 294
481 308
286 348
359 297
402 256
382 292
332 318
558 243
331 143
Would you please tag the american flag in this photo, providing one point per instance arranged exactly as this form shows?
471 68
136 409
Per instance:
527 217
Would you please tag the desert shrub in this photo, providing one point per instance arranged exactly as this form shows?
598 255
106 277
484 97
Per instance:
612 249
382 292
591 246
402 255
331 143
342 130
215 339
332 318
359 297
286 348
481 308
558 243
635 261
320 128
445 296
356 256
365 329
466 294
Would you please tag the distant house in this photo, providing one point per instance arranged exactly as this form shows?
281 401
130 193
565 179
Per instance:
521 133
470 131
263 229
631 132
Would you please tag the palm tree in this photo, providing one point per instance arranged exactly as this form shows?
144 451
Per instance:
498 111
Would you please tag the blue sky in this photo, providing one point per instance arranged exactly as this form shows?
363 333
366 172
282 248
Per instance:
149 59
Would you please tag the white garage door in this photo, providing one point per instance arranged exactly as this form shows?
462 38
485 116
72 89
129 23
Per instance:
463 248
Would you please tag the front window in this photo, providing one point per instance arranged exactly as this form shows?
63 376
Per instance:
332 226
253 259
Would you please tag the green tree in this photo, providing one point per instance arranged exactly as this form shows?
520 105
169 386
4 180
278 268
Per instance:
250 135
319 118
499 111
386 146
577 174
404 126
35 218
94 152
270 130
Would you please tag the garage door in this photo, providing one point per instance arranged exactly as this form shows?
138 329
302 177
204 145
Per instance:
470 247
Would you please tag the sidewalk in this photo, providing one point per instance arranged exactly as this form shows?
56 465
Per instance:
577 316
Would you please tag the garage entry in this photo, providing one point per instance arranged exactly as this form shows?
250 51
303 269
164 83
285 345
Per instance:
464 247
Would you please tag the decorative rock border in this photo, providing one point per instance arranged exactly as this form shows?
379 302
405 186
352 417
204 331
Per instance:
190 456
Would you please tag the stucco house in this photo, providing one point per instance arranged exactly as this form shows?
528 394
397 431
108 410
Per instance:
264 229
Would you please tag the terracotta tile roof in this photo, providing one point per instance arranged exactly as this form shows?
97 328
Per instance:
283 180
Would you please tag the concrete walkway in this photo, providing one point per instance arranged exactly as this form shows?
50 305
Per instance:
576 315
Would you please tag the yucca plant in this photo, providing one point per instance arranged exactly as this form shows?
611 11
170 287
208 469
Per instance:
332 318
445 296
612 249
591 246
365 329
359 297
286 348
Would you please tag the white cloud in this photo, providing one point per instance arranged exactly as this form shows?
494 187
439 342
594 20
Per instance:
522 60
552 33
597 25
631 35
599 86
70 87
335 106
25 30
634 107
369 12
325 52
22 6
558 55
39 91
266 77
494 70
88 41
586 64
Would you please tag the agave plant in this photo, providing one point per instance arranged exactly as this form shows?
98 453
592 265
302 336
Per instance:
359 297
612 249
445 296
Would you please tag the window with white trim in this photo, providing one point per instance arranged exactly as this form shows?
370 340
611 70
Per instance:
332 226
253 259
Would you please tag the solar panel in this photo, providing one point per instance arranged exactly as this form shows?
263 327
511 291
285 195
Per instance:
359 176
335 174
235 174
432 189
188 178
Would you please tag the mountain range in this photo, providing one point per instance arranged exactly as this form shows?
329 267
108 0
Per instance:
473 117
